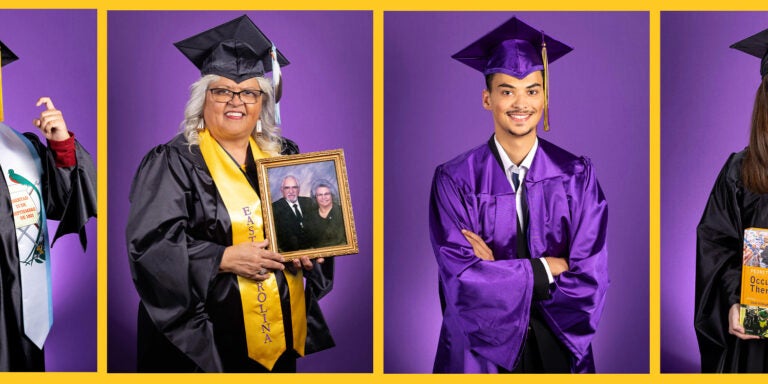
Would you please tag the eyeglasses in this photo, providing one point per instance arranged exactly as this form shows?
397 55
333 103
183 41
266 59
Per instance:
325 194
247 96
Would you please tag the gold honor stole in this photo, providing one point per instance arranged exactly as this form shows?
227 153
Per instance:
262 313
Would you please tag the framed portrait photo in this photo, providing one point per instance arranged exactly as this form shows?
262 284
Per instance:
306 205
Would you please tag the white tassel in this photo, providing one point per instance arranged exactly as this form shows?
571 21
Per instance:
275 82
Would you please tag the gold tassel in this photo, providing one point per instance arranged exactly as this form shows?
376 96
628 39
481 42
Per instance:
546 82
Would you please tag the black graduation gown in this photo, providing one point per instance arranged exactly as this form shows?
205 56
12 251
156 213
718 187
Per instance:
731 208
69 196
190 315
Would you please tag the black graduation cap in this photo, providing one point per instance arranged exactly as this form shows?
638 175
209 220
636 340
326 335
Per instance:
237 50
756 45
7 55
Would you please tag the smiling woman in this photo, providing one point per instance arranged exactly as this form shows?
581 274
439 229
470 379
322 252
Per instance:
231 120
326 223
214 298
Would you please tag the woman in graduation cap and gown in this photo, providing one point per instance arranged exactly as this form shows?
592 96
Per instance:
213 298
505 308
38 183
739 200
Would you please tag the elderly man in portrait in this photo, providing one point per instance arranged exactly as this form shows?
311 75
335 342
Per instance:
289 214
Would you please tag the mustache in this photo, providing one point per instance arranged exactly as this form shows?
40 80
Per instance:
521 110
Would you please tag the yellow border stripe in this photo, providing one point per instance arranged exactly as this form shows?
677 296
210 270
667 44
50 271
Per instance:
654 193
101 190
378 192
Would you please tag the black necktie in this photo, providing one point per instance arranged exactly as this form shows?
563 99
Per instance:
516 180
522 235
296 210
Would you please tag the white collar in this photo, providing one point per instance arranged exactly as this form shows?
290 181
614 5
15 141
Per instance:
509 166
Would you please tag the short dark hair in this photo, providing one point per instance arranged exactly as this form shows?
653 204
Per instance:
488 80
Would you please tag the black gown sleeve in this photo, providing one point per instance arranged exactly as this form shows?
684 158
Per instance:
69 192
289 147
319 282
171 269
718 268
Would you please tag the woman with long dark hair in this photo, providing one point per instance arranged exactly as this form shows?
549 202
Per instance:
739 200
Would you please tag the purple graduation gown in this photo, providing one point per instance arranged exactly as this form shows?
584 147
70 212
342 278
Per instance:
487 304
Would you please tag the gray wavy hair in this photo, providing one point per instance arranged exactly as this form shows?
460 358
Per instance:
269 140
327 184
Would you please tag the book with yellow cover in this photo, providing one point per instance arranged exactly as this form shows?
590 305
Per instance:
754 282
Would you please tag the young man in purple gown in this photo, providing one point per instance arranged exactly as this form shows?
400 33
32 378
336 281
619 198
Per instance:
518 227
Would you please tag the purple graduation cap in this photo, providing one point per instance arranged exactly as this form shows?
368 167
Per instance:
756 45
237 50
516 49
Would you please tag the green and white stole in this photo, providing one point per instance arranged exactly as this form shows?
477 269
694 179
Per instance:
22 170
262 312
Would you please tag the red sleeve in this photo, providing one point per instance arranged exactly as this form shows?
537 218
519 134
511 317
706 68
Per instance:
64 151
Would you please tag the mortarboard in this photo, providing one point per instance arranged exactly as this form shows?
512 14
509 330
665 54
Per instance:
6 57
516 49
756 45
237 50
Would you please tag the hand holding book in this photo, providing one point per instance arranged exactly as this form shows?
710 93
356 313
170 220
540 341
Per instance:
734 324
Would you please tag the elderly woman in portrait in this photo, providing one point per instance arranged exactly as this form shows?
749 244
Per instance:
326 222
214 298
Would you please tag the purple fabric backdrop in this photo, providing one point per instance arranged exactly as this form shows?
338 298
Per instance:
707 92
327 104
57 58
433 112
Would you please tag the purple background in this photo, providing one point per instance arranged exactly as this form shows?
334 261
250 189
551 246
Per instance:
57 58
707 93
433 112
327 104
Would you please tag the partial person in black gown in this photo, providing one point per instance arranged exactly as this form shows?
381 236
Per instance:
739 200
66 187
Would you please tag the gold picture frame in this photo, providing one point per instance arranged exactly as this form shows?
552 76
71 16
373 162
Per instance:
304 183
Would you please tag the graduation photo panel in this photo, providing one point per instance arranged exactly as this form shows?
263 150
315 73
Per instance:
213 93
470 297
48 190
713 196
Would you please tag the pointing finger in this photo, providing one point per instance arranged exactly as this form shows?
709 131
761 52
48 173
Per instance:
47 101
